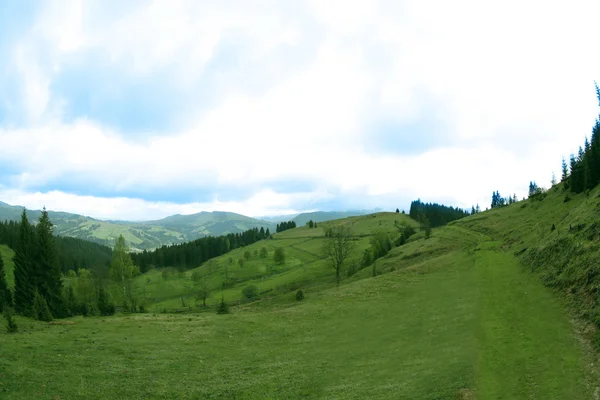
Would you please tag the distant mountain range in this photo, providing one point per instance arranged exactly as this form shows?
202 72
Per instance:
174 229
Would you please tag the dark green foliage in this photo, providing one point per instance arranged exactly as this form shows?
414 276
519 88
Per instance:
72 253
567 198
104 305
23 271
367 258
284 226
374 269
222 308
41 311
397 211
49 282
5 294
427 229
263 252
11 325
437 214
241 262
250 292
299 295
247 255
72 306
279 255
310 224
553 228
191 254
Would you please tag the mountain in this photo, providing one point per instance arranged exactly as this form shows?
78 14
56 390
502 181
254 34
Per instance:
142 235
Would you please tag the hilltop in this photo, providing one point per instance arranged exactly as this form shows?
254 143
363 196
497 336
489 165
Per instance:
141 235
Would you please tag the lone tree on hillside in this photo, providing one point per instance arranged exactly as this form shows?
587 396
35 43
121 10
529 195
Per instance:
123 270
338 246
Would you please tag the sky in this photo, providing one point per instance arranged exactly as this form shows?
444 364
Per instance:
141 109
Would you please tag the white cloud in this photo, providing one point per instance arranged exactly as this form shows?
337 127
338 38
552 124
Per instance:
511 84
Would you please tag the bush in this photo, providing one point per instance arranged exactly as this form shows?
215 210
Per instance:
11 325
263 252
567 198
300 295
247 255
241 262
250 292
222 308
279 256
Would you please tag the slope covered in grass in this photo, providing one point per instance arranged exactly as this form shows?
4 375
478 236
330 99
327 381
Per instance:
456 316
305 266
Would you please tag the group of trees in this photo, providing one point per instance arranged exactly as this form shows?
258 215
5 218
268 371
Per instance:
311 224
38 282
71 253
499 201
583 171
191 254
434 214
284 226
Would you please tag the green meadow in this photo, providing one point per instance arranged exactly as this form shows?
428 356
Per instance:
458 315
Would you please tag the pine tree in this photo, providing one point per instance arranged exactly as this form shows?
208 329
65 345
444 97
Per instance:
41 311
565 172
24 289
5 295
46 266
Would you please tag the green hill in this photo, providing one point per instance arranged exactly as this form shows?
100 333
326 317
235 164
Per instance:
141 235
459 315
321 216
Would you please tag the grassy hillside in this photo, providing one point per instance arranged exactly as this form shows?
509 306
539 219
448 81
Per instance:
321 216
455 316
142 235
305 265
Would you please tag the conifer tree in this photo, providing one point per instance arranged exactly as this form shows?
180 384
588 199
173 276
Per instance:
5 295
565 171
41 311
23 268
49 283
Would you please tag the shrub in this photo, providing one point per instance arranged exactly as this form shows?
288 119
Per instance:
250 292
11 325
247 255
263 252
567 198
553 228
300 295
279 256
222 308
241 262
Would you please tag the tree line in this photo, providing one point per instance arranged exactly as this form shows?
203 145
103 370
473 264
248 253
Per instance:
433 214
284 226
583 171
189 255
71 253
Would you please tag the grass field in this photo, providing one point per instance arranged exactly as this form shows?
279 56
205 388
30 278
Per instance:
451 317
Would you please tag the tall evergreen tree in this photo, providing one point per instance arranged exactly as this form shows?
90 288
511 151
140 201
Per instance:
24 289
565 171
5 295
46 268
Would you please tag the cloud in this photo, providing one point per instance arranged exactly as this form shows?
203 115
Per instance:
348 104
